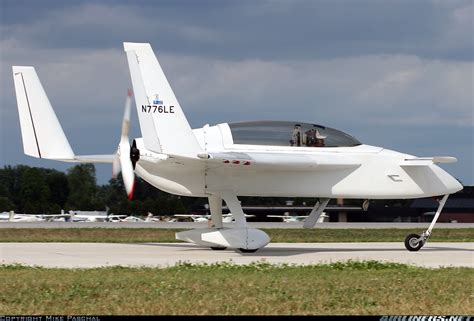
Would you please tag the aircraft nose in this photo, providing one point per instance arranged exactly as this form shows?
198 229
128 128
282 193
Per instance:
456 185
450 182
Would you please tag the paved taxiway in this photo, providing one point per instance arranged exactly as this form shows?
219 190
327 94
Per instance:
191 225
89 255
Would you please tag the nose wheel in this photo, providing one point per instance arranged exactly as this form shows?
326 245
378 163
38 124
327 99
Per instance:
414 242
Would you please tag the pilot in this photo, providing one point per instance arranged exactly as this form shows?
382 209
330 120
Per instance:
310 138
296 138
320 139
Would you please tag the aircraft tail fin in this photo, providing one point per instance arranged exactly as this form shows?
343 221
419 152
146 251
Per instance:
163 124
42 134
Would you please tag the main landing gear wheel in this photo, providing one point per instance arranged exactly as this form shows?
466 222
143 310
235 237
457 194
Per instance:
218 248
413 242
248 250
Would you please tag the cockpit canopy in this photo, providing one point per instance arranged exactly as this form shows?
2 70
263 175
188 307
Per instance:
285 133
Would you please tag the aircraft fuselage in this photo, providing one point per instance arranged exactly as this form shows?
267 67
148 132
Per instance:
361 172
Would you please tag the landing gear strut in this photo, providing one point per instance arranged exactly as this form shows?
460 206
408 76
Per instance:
414 242
238 236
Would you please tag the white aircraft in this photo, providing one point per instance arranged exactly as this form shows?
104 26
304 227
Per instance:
89 216
125 218
224 161
14 217
287 218
199 218
150 218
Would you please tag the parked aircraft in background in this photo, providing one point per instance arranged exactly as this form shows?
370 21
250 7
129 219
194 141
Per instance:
14 217
224 161
199 218
124 218
151 218
89 216
195 217
74 216
131 218
287 218
95 216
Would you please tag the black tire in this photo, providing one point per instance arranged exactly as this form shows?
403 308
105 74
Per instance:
248 250
412 244
218 248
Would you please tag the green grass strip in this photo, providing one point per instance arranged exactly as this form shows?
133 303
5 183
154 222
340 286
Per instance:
128 235
368 287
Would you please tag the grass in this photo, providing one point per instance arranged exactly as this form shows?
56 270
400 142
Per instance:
340 288
277 235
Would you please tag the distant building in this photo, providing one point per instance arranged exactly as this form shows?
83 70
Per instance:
459 208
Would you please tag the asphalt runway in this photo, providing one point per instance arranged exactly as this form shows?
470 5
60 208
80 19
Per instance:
90 255
191 225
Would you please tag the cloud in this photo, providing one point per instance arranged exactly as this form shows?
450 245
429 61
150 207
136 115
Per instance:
383 89
377 87
362 67
248 30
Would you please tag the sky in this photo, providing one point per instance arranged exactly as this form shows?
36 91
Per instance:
396 74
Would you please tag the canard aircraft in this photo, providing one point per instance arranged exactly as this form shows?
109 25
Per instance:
224 161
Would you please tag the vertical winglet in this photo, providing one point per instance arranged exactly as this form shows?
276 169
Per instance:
42 134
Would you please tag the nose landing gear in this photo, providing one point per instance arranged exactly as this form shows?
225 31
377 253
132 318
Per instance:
414 242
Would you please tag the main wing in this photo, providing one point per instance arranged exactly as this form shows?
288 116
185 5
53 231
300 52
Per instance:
322 161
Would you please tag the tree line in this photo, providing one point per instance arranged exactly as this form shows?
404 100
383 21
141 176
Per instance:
26 189
35 190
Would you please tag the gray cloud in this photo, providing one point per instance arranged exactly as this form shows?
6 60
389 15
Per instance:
395 74
249 29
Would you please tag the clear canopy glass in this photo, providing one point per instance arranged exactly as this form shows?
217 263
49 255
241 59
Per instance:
285 133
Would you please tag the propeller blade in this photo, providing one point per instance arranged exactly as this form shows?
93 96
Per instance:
123 161
126 116
116 168
128 174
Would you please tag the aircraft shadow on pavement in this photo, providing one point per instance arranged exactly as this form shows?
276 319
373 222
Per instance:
290 251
